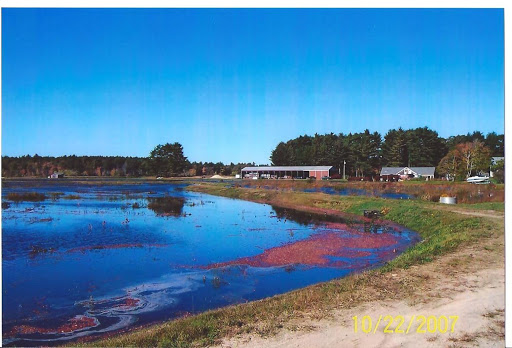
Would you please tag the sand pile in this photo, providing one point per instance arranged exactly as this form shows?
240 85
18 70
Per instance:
220 177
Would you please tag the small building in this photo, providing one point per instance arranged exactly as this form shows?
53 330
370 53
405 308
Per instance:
407 172
287 172
56 175
495 160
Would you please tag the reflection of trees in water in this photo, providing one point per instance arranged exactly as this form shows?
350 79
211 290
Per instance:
166 205
306 218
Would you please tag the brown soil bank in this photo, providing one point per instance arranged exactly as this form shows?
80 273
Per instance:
458 269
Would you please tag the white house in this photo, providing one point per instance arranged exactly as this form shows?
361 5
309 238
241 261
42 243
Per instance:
56 175
409 172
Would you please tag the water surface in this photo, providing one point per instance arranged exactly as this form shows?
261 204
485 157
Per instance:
104 260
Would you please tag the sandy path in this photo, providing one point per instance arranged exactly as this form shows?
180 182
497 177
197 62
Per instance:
493 214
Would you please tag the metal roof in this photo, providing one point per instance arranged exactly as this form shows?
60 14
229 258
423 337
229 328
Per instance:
424 171
286 168
390 170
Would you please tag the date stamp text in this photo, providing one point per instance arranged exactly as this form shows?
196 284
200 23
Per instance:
400 325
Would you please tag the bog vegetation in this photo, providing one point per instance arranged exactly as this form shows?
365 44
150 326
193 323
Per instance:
26 197
422 190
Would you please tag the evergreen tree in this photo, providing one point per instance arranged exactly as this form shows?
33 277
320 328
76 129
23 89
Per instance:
424 147
496 143
281 155
394 149
168 159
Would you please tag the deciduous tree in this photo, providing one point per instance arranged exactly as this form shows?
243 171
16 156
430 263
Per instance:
476 157
465 160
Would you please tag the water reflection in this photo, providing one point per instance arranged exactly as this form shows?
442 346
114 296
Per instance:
166 206
307 218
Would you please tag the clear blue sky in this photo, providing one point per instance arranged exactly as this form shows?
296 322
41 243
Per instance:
230 84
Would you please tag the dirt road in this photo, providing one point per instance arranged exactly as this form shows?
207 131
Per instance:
493 214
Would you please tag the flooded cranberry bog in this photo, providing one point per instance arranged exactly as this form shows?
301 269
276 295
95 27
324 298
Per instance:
81 260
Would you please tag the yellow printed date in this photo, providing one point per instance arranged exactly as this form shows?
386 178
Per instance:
399 325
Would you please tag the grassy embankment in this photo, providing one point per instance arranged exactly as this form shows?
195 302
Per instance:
443 233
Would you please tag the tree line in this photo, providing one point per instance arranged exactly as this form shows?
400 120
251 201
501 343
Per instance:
164 160
365 153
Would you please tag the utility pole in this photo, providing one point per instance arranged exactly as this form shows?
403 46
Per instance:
344 163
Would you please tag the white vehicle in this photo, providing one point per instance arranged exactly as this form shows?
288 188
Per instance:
253 176
478 180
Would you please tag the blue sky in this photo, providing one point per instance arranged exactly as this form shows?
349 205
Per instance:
230 84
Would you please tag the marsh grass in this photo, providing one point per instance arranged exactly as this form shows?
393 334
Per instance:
72 197
26 197
136 205
424 190
56 195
